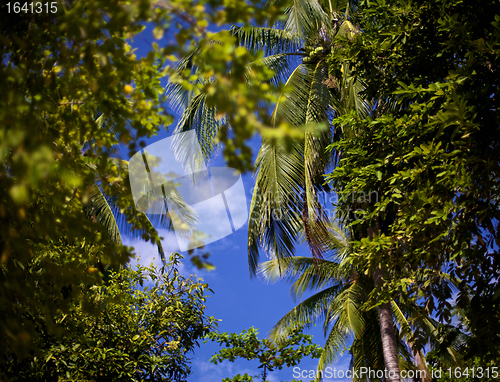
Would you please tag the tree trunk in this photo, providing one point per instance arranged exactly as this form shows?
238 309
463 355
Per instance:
421 364
388 335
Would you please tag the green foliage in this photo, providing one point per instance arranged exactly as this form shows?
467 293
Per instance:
270 354
429 153
145 323
72 90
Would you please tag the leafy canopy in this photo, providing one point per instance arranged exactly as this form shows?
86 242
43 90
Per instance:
430 151
146 321
59 77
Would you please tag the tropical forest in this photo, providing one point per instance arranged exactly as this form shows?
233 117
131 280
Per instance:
250 190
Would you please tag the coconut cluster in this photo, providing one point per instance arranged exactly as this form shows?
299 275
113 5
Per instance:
312 54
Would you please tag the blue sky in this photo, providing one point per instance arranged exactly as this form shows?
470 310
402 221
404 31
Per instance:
239 301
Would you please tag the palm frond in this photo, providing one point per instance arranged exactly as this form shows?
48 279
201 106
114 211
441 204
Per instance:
339 241
315 160
302 104
406 334
336 343
277 187
303 272
102 210
402 311
303 17
167 196
98 210
270 40
204 120
280 64
366 349
305 313
277 44
346 309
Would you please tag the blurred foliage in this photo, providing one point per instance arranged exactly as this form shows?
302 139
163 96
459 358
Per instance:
429 151
145 322
270 354
58 77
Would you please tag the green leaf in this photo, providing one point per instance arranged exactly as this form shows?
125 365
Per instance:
158 32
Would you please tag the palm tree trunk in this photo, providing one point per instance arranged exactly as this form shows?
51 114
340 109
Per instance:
421 364
388 335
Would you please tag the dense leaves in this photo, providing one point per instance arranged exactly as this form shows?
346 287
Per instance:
145 323
430 153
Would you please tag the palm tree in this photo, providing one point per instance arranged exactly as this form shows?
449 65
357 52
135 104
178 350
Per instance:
285 203
287 179
341 293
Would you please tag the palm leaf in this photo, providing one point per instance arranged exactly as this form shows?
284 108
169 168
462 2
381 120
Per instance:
303 272
401 313
347 322
346 309
205 121
315 160
99 211
336 342
312 309
304 83
280 64
270 40
303 17
102 210
366 350
277 188
299 103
